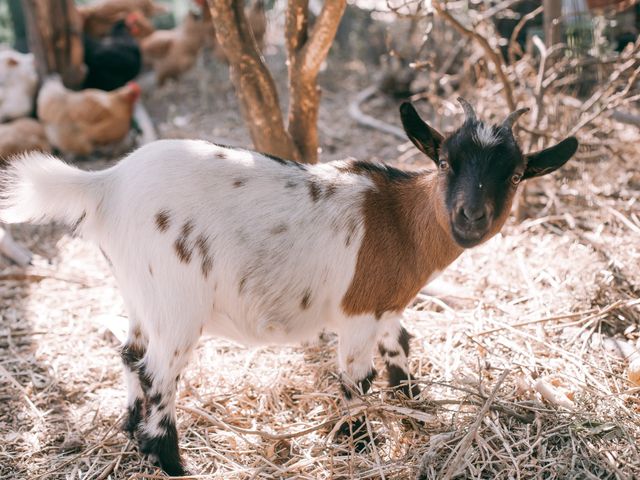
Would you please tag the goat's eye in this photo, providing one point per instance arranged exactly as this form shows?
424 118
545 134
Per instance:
516 178
443 165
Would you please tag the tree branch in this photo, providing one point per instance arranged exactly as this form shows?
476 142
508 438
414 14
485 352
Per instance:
494 56
305 54
252 80
322 35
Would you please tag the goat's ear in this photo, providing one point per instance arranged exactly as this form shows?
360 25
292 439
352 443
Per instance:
424 137
550 159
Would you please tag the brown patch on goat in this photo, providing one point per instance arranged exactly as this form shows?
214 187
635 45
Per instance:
207 259
406 239
239 183
222 155
306 299
150 270
163 220
279 229
314 190
181 245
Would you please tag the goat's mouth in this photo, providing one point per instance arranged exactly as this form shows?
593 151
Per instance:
468 236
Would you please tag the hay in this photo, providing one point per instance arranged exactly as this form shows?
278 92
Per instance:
519 374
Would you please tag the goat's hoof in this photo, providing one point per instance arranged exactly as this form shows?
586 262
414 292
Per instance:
356 428
163 452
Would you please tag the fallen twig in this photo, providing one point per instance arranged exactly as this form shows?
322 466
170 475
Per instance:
369 121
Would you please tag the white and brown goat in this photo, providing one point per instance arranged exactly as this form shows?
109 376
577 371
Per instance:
204 238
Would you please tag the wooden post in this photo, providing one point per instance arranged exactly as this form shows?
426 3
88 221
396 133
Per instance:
552 14
54 30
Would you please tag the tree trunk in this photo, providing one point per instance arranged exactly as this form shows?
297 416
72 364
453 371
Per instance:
305 54
54 29
255 86
253 83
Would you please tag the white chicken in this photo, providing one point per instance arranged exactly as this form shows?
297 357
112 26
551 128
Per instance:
18 82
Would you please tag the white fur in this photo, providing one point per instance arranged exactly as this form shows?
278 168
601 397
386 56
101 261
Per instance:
485 135
283 240
190 181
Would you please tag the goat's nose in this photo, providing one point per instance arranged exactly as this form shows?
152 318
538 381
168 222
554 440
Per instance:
473 214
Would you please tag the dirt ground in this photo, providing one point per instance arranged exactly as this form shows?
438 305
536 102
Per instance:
522 361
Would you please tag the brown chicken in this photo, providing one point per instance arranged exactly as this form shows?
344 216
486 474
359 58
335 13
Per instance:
21 136
138 25
173 52
99 17
78 122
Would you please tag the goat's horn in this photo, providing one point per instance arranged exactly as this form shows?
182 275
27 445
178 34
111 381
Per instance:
469 112
513 117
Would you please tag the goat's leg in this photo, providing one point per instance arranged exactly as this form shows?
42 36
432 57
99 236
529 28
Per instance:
132 353
159 373
393 344
355 358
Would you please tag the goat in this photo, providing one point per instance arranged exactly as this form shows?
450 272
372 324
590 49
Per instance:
261 250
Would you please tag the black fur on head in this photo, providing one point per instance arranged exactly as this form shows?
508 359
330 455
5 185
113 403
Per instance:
479 169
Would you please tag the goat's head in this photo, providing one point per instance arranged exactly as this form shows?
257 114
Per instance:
479 169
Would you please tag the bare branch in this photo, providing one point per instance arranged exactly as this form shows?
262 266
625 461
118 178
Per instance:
513 40
494 56
322 35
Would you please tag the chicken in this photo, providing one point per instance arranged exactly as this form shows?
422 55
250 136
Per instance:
22 135
139 25
99 17
78 122
173 52
112 61
18 82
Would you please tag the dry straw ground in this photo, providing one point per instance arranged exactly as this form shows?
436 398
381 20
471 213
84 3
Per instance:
523 364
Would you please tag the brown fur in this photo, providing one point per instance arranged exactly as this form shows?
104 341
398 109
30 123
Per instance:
207 258
181 245
306 300
163 220
406 240
314 190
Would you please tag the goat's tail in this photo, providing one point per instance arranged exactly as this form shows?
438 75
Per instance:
37 187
